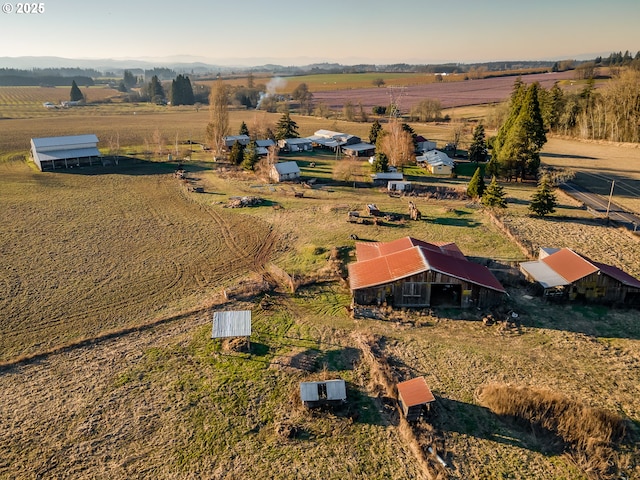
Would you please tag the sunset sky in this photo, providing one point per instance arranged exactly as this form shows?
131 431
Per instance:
300 32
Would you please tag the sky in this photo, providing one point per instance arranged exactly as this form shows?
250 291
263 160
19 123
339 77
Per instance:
299 32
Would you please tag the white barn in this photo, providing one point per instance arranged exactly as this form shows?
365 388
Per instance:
52 153
285 171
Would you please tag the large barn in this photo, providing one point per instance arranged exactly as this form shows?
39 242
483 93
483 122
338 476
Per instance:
52 153
563 274
412 273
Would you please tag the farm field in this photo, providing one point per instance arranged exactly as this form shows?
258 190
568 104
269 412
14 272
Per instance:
166 401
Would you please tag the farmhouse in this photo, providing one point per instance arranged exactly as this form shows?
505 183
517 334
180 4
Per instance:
411 273
566 275
415 396
52 153
285 171
437 162
295 144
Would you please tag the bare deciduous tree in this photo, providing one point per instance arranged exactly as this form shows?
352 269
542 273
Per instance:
218 126
397 145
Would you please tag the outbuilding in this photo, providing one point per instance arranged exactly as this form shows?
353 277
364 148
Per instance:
361 149
285 172
53 153
415 397
295 145
325 392
411 273
437 162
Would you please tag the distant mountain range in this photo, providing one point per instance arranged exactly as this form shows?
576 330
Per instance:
199 65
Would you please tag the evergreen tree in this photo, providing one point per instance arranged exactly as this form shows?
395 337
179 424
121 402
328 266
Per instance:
478 149
494 196
244 130
544 201
375 130
182 91
129 79
155 92
75 95
286 128
236 154
250 156
476 186
380 163
522 136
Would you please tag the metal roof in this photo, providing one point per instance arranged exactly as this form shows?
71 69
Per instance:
284 168
543 274
336 390
359 147
66 141
415 392
436 157
618 274
387 262
569 265
297 141
388 176
231 324
67 154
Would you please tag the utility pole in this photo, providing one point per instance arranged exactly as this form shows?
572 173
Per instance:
613 182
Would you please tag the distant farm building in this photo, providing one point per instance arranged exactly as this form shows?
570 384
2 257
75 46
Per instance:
415 397
229 140
326 392
262 146
383 178
333 140
437 162
285 172
423 145
53 153
411 273
566 275
295 145
396 186
359 149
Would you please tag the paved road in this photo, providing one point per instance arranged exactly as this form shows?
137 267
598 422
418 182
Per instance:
599 205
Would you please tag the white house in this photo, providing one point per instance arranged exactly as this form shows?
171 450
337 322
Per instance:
285 171
51 153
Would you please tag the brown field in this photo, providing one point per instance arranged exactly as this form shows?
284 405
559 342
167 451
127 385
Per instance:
450 94
103 254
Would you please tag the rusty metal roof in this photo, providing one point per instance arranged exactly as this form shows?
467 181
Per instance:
570 265
415 392
380 263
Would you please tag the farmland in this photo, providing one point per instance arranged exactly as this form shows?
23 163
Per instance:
108 278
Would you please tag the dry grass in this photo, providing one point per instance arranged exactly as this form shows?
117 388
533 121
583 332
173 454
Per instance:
591 435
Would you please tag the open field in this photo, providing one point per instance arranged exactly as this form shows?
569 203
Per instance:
450 94
106 249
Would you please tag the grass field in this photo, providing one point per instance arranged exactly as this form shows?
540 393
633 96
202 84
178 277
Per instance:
118 248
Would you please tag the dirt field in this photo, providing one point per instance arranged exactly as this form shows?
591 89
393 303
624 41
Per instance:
450 94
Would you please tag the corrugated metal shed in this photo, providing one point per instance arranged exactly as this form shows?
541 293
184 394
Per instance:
415 392
286 168
231 324
330 390
65 141
543 274
619 275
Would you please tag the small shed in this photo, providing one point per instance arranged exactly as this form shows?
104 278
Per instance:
325 392
382 178
414 395
399 186
361 149
262 146
285 171
231 324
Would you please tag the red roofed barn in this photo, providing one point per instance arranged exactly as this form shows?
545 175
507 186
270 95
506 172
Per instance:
412 273
565 274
